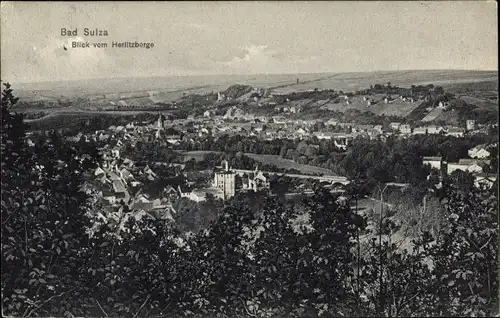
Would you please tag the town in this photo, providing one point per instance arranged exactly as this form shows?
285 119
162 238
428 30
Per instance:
257 160
190 164
120 177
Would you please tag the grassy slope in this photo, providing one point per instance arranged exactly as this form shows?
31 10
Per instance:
288 164
395 108
265 159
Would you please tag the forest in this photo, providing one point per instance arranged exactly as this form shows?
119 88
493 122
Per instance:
395 159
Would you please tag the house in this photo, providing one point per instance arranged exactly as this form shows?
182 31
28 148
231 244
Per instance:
452 166
119 186
207 114
271 132
434 129
340 143
470 124
109 197
420 131
323 135
394 125
301 132
256 182
364 127
220 97
99 171
331 122
194 196
378 128
372 133
147 170
346 125
173 139
468 165
278 121
484 180
455 131
479 152
126 175
257 127
115 152
200 195
405 129
142 202
475 162
170 193
434 162
162 211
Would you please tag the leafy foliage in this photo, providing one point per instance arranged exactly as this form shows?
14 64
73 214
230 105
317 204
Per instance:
257 256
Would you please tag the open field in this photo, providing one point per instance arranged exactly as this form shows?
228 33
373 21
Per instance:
266 159
159 88
480 102
354 81
482 87
289 164
165 89
67 119
196 155
395 108
433 115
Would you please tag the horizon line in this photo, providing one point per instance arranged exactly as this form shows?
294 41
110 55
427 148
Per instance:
244 74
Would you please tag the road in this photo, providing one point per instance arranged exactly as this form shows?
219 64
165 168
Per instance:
338 179
77 112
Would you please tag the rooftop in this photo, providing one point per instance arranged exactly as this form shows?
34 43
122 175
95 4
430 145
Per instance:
432 158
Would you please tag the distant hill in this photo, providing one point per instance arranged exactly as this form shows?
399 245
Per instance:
313 93
280 83
354 81
235 91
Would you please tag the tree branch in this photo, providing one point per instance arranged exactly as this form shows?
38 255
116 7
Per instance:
485 244
100 307
399 305
144 303
246 309
48 300
410 299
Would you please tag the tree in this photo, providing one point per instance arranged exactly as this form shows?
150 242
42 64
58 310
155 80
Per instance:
453 273
43 218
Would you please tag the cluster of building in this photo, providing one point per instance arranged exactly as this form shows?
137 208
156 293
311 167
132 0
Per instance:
406 129
224 185
478 165
119 179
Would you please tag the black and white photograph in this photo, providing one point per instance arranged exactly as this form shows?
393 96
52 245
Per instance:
247 159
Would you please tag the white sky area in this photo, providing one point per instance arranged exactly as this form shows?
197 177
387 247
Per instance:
194 38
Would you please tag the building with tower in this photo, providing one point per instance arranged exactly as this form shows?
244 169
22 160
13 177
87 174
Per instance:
470 124
224 179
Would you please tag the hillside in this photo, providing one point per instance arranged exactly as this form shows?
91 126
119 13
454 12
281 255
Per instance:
279 83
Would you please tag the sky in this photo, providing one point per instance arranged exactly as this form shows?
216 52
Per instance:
205 38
